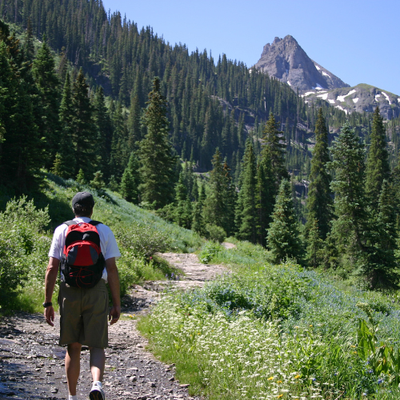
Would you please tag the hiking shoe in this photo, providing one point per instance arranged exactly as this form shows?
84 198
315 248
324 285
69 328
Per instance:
97 392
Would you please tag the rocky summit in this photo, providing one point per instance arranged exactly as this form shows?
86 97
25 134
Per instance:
287 61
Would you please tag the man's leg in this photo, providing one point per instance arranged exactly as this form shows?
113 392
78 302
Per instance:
97 362
72 366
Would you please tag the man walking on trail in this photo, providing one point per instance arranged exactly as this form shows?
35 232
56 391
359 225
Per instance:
83 310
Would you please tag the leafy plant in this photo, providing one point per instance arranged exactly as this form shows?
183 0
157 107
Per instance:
208 251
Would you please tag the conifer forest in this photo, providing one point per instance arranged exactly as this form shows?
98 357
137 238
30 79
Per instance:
208 144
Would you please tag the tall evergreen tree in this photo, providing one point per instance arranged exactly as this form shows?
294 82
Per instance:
183 212
274 148
65 162
283 238
130 180
214 210
156 153
104 131
319 201
382 267
47 83
350 227
246 206
119 144
83 128
134 126
271 170
198 224
20 147
315 245
265 197
377 169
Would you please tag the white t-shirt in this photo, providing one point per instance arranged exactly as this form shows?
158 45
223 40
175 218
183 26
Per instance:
108 244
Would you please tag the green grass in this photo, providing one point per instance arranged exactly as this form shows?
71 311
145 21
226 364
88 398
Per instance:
139 233
278 331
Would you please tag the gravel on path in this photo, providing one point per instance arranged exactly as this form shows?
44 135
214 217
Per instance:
32 362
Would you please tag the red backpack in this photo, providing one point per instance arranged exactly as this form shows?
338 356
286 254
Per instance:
82 262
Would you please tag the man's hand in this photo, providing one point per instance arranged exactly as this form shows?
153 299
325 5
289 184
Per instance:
49 283
49 315
114 314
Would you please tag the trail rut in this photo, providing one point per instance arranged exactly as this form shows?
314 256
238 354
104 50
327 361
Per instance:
32 362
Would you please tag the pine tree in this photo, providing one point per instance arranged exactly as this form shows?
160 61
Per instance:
29 48
47 83
271 170
230 201
382 267
265 198
119 144
315 245
83 128
104 130
274 149
182 213
157 161
377 169
214 205
246 206
129 187
20 148
319 201
283 238
65 160
350 227
198 224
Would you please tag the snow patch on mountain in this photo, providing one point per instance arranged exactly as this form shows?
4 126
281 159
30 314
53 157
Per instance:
341 108
387 97
341 98
323 96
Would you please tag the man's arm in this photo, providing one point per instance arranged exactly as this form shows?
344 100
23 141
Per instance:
49 283
113 283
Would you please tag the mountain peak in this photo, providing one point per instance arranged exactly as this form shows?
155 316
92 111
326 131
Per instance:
287 61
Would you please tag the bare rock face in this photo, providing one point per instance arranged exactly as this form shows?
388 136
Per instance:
360 98
285 60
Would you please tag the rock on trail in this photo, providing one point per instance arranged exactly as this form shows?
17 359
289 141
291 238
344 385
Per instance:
32 362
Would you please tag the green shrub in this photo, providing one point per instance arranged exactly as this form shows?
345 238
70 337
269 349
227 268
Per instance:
215 233
209 251
23 247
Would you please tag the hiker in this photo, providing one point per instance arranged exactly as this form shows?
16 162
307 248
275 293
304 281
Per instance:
83 296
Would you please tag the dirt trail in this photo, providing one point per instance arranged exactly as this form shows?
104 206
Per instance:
32 363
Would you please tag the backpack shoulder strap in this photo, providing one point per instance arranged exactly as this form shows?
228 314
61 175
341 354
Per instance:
69 223
94 223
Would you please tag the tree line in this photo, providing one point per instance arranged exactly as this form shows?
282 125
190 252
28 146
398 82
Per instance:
352 207
211 103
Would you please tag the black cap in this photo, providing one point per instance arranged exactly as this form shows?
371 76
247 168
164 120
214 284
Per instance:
84 199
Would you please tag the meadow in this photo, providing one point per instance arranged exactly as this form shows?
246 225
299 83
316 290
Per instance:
278 331
262 331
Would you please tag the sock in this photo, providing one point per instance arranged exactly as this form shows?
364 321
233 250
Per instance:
70 397
97 383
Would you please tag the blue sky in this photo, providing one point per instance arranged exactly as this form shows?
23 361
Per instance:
358 41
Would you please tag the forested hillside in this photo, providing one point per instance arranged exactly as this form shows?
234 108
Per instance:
211 103
211 146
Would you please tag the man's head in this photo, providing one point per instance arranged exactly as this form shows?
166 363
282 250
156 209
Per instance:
82 204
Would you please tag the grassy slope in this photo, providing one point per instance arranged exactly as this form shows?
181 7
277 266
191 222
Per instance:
278 331
139 234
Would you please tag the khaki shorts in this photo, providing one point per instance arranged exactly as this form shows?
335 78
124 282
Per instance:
84 315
